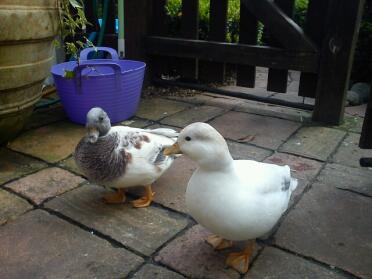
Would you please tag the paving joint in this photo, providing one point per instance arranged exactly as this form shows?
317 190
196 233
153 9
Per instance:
320 263
114 243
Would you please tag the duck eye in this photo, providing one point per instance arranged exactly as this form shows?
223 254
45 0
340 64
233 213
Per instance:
187 138
100 118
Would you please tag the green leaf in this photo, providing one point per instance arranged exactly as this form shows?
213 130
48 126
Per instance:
69 74
76 4
56 43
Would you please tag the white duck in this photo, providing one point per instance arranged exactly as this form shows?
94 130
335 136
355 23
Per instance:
235 199
122 157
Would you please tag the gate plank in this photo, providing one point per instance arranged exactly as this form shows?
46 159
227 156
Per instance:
246 75
278 79
189 29
212 71
159 65
233 53
137 29
284 29
315 28
343 22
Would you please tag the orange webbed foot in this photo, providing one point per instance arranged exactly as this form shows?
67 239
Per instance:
145 200
219 243
115 198
240 260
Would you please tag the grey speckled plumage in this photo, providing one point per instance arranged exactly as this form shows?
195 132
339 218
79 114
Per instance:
120 156
93 158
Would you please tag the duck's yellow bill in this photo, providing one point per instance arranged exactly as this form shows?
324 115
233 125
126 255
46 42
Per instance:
174 149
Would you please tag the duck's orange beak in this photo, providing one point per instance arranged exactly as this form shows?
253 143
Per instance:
174 149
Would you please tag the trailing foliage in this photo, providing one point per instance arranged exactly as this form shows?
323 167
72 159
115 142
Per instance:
72 21
174 12
300 11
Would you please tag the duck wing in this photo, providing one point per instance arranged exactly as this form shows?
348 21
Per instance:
146 144
265 178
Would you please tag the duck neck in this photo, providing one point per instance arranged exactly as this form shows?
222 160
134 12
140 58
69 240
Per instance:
221 162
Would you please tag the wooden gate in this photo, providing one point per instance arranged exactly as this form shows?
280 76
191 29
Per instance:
322 51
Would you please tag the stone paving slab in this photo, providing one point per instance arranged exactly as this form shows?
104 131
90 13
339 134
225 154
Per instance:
39 245
158 108
50 143
70 164
349 152
14 165
45 184
171 187
192 256
331 225
45 116
241 151
195 114
259 130
196 99
351 124
274 111
314 142
344 177
143 229
150 271
223 102
276 264
11 206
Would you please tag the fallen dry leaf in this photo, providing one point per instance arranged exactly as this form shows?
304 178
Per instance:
247 138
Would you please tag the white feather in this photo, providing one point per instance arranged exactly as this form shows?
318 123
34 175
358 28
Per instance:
235 199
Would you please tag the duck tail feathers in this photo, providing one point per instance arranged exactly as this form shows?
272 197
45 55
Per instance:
290 183
170 133
293 184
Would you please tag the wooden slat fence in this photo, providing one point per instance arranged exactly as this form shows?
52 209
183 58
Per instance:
322 51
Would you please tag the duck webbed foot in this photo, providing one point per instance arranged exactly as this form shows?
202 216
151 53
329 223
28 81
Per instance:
218 243
146 199
116 197
240 260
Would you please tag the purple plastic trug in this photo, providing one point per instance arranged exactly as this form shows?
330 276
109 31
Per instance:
112 84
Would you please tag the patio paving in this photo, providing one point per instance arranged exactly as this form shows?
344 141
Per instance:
53 223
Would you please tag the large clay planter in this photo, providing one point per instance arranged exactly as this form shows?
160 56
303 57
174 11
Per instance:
27 29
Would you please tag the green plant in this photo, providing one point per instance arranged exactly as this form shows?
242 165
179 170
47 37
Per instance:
300 11
174 12
72 22
233 19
